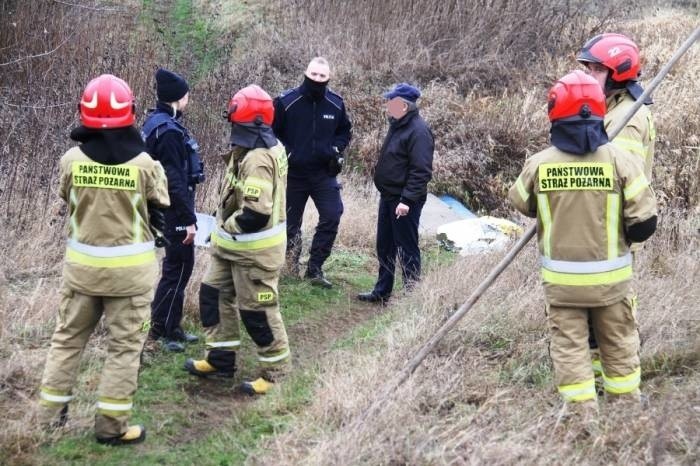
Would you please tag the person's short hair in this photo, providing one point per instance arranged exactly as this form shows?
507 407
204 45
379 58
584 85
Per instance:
320 61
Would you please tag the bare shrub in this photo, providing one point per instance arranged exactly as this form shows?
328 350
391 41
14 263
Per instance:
481 43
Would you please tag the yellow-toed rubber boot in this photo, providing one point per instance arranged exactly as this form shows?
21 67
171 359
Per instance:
134 434
258 386
202 368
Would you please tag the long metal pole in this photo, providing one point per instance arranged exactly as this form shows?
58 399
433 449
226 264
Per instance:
421 354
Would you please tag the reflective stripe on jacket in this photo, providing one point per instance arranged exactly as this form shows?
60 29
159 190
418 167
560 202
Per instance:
583 205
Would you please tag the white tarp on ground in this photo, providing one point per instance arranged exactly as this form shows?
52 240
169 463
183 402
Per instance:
459 229
435 213
475 235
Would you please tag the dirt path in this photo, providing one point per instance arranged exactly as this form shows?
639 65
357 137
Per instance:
211 402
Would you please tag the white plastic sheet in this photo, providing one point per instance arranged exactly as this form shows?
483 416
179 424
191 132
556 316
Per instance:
475 235
205 225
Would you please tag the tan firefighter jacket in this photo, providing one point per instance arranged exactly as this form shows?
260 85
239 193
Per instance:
255 179
639 133
583 206
110 250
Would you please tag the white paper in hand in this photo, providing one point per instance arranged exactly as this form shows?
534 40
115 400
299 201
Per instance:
205 225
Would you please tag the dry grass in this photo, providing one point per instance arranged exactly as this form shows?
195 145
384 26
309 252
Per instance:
486 394
493 402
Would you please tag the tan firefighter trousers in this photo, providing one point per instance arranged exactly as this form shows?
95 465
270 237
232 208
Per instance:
125 320
615 327
230 292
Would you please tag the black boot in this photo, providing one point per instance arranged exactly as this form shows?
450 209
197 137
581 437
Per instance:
317 278
372 297
183 337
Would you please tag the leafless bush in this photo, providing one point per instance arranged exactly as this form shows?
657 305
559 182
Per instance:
484 43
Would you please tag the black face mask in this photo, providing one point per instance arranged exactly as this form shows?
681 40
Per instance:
314 89
578 137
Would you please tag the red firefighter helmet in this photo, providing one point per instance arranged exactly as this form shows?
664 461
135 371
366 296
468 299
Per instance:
576 96
251 105
615 52
107 102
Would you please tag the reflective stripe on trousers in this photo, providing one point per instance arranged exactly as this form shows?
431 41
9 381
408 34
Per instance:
577 392
50 397
622 384
275 358
223 344
112 407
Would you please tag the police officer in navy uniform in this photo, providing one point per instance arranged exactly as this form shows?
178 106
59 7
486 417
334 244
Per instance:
169 142
314 127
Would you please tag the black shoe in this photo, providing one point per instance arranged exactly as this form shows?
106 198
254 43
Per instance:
172 346
318 279
372 297
184 337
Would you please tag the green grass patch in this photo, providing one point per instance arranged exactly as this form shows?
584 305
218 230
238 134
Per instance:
196 36
366 333
168 404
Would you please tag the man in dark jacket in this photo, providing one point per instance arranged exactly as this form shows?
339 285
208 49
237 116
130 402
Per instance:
314 127
169 142
401 175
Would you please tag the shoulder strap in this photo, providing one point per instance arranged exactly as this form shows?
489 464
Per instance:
157 120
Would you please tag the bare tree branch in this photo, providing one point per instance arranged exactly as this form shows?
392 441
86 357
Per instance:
29 57
88 7
36 107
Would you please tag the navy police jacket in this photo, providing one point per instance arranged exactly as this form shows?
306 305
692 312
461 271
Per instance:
168 142
310 128
405 164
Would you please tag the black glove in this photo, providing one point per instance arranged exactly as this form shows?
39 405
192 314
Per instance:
161 241
156 220
335 164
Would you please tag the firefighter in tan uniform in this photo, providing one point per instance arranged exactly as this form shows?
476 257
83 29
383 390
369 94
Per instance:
613 60
248 249
113 189
591 200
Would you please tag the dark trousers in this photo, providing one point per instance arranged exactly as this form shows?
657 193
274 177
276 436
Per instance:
324 190
166 309
397 237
